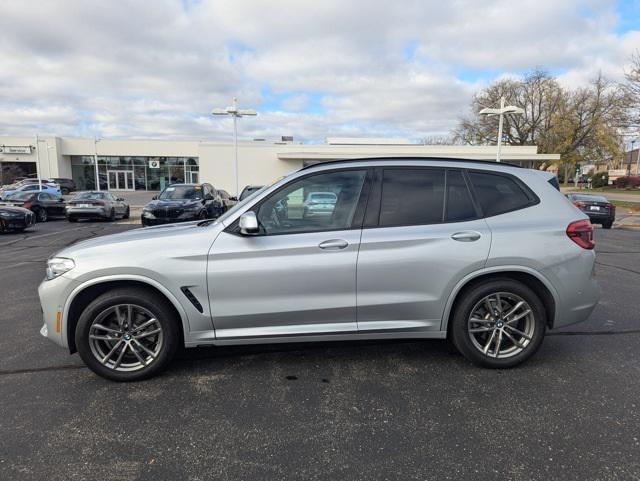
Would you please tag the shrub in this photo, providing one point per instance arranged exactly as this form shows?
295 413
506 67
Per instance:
627 181
601 179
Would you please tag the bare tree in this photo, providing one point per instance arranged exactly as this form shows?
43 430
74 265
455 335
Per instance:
632 87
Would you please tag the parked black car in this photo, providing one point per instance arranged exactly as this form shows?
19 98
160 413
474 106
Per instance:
97 205
66 185
248 190
182 203
15 218
228 200
597 207
43 204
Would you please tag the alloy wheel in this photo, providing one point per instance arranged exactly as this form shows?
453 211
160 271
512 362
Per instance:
126 337
501 325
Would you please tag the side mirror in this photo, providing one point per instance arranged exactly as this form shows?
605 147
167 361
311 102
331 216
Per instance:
155 197
249 223
234 198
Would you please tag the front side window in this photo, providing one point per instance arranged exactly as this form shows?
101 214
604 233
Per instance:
321 202
412 197
498 194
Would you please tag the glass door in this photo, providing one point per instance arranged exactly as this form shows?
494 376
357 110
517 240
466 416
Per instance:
121 180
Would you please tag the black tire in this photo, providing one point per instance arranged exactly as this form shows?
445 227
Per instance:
161 310
607 225
469 301
112 216
41 214
127 213
72 219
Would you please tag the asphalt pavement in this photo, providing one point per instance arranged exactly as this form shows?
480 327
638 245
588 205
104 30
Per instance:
357 410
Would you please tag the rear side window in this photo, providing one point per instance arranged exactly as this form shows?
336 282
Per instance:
498 194
459 206
412 197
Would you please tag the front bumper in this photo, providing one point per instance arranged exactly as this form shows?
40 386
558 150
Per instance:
147 222
17 222
53 296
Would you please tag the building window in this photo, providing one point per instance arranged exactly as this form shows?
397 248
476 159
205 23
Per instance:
146 176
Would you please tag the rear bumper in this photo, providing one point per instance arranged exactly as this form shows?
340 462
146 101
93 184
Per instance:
85 213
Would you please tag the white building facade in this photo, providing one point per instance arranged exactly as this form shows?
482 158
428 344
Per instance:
153 164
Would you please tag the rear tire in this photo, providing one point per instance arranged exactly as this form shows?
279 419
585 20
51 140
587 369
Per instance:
72 219
607 225
41 214
127 213
508 335
135 352
112 216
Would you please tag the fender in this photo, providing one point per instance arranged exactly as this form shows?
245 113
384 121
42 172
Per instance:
494 270
122 277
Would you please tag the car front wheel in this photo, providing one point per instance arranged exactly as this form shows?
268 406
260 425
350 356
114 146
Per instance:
127 334
498 324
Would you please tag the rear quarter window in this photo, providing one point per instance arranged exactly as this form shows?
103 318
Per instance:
500 193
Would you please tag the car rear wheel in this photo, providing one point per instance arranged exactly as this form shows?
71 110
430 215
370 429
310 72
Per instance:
127 334
498 324
607 225
41 214
112 215
127 213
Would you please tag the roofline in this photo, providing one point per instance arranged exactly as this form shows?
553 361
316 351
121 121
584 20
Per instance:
402 159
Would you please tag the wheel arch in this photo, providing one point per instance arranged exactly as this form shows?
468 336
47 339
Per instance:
82 296
529 277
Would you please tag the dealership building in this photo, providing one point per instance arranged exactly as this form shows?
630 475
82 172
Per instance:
152 164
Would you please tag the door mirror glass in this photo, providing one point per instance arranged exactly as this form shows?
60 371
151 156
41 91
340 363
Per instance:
249 223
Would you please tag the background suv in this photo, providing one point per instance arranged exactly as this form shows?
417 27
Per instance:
487 255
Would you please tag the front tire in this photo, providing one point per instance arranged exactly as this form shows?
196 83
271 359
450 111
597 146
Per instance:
127 334
498 324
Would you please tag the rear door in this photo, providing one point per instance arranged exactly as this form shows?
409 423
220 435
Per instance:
423 233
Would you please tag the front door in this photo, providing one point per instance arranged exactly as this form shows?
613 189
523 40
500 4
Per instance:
425 236
298 275
121 180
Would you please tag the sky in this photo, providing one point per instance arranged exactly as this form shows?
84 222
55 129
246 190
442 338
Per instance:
312 69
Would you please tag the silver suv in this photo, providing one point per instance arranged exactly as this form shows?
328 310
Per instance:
486 255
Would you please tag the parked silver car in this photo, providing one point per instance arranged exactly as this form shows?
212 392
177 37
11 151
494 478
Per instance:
487 255
97 205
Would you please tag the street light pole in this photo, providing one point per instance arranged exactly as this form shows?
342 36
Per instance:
38 163
509 109
95 158
236 113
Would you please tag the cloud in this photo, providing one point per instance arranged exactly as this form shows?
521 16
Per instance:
312 69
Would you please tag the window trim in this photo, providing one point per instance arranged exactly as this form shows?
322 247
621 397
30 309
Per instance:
358 216
533 198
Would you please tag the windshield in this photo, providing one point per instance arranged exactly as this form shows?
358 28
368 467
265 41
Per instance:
20 196
181 192
89 195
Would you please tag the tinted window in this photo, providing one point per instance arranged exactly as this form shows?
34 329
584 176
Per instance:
289 211
498 193
412 197
459 204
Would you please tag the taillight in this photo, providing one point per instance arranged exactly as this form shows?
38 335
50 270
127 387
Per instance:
581 232
27 205
578 204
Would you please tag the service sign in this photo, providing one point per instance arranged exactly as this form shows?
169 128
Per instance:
15 149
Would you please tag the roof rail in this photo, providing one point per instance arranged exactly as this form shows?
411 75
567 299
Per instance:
439 159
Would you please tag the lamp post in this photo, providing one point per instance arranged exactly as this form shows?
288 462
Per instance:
95 158
509 109
236 113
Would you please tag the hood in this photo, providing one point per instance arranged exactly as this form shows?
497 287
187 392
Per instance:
172 203
152 238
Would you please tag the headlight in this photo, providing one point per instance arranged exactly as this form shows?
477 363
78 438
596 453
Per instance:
148 215
56 266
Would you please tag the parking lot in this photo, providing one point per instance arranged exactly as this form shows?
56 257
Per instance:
370 410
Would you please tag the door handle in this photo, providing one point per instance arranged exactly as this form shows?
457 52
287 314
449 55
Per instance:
466 236
333 244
